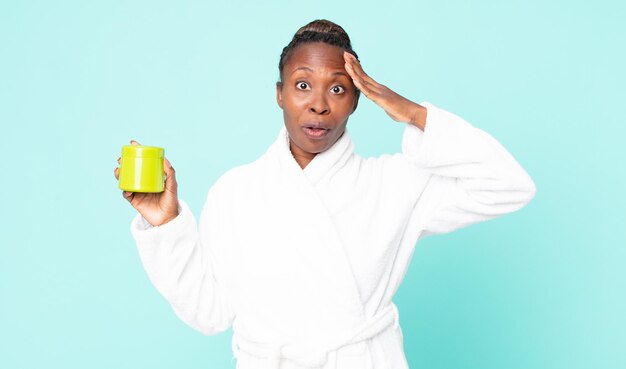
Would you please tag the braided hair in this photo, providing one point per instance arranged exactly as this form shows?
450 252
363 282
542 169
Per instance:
320 30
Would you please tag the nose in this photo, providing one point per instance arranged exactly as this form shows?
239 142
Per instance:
319 105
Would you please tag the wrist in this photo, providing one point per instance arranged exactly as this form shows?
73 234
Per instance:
418 118
168 218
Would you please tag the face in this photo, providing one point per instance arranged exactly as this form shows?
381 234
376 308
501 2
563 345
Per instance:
316 92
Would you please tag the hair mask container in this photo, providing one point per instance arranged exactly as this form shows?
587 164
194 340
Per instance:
141 169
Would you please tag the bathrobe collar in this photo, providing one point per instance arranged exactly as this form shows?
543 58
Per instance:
321 297
323 164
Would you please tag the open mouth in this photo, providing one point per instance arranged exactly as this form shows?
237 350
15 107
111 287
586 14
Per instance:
315 132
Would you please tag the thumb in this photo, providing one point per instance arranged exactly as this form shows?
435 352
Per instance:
134 143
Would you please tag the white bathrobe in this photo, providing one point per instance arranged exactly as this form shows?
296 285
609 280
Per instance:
304 263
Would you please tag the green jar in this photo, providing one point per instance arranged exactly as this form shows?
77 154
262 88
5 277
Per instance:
141 169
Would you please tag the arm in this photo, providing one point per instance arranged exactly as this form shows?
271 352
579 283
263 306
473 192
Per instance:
177 258
474 178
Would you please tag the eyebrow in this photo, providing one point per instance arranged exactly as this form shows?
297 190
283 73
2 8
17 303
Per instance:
311 70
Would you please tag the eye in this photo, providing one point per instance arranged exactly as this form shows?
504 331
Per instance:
337 89
300 85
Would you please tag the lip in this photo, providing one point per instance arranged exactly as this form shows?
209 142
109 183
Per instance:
315 134
316 125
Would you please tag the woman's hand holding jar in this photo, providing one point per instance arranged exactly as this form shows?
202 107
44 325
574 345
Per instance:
157 208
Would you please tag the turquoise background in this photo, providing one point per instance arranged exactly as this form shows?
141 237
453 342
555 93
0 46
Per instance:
540 288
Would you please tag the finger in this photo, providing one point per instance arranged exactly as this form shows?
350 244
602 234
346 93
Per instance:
356 77
364 79
360 84
128 195
358 69
116 173
347 57
134 143
119 160
365 91
170 174
350 70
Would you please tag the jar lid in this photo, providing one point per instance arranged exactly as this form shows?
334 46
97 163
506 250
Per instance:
142 151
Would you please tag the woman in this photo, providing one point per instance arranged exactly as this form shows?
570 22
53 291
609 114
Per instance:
302 250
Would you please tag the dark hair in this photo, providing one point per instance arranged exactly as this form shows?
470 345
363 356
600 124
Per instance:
320 30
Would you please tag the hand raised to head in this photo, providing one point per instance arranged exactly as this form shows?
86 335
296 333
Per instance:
397 107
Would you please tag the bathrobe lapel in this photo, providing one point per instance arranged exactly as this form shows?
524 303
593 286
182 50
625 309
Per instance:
303 300
308 219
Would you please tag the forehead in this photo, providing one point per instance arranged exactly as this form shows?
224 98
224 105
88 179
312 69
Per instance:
317 56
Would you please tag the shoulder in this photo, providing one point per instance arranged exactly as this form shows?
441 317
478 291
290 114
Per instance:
396 164
237 178
393 174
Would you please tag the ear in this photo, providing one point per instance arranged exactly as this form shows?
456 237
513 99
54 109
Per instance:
279 94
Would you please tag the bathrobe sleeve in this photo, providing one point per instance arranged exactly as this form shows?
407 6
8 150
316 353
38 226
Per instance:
177 257
473 177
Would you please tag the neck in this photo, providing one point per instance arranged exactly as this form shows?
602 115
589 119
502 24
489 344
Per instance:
302 158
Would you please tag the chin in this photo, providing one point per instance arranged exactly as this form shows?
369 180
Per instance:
310 147
313 147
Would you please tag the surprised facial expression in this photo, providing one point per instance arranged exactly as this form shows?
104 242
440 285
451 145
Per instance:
317 96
